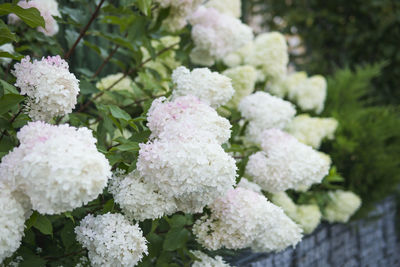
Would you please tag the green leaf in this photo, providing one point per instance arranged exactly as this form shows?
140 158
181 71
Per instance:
175 238
68 215
109 206
6 36
87 88
43 224
8 88
68 235
118 113
144 6
31 221
177 221
9 101
128 146
8 55
31 16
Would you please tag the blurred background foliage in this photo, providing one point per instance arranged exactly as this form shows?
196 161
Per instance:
354 43
340 34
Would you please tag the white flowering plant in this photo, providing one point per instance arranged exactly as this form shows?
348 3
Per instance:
155 133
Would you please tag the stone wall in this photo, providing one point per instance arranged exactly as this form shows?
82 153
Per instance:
367 242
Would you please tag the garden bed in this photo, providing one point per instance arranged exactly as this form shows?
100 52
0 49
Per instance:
368 242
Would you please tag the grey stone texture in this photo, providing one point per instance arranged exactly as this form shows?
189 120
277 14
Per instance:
369 242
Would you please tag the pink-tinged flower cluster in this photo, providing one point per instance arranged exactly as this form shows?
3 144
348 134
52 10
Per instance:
51 89
56 168
285 163
48 10
244 218
187 118
215 35
184 162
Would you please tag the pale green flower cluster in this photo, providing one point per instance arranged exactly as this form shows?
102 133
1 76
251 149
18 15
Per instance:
342 205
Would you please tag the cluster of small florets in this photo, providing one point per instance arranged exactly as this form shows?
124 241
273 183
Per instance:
183 167
285 163
215 35
207 261
342 205
186 119
12 223
139 200
265 112
243 218
111 240
58 168
47 8
308 93
210 87
232 8
312 131
308 216
52 90
179 12
243 81
287 83
270 55
193 172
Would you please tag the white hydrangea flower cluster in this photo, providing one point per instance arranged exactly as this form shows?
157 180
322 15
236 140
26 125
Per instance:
310 93
207 261
215 35
180 10
193 172
9 48
285 84
265 111
243 218
57 167
187 119
270 55
48 10
342 205
210 87
238 57
243 81
184 161
111 240
285 163
308 217
12 223
52 90
139 200
232 8
311 131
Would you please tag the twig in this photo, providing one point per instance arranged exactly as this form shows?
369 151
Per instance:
84 30
105 61
11 121
83 107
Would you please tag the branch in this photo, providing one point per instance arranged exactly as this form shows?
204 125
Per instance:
105 61
84 30
83 107
11 121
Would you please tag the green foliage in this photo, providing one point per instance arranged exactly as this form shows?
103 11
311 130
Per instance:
367 146
341 33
